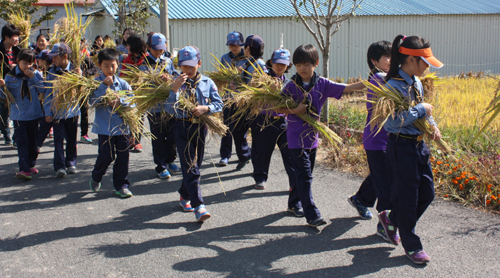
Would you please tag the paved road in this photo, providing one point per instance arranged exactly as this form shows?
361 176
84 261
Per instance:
53 227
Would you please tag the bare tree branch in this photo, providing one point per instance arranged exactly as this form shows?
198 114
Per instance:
301 17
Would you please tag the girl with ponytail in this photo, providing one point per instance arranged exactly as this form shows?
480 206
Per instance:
407 155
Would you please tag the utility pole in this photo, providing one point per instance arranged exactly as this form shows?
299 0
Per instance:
164 22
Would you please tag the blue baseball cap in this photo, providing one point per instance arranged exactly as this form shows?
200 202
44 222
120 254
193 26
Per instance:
59 49
281 56
188 56
235 38
42 55
157 41
254 41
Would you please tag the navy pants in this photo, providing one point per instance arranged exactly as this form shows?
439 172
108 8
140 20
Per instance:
190 142
376 185
26 134
4 122
43 131
84 120
410 176
65 129
237 131
263 142
111 147
164 151
301 194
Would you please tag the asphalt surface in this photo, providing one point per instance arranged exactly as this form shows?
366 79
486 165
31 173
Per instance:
52 227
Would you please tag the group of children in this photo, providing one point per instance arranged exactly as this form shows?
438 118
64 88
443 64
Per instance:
401 177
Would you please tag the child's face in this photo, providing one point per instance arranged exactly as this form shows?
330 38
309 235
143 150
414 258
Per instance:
12 41
191 71
42 43
384 63
23 65
60 60
108 67
99 41
279 69
42 64
306 70
422 67
156 53
126 34
234 48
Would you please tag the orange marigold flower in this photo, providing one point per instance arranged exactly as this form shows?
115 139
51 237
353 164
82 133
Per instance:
450 172
447 165
466 181
493 197
439 162
488 202
489 186
446 195
455 182
489 190
455 168
459 166
431 159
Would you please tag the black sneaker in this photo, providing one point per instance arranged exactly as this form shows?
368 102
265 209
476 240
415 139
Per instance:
299 212
242 164
94 186
316 222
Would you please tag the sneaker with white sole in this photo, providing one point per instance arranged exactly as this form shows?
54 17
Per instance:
186 205
61 173
124 193
201 213
418 257
165 174
363 211
172 167
223 162
71 170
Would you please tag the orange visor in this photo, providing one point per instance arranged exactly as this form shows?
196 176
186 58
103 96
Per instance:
425 54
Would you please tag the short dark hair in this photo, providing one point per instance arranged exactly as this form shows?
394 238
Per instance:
256 52
43 35
137 45
375 51
10 30
27 55
304 54
108 54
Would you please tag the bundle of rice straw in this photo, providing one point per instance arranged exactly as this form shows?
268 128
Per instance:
493 107
213 123
109 43
72 89
150 87
71 29
389 102
264 93
23 22
223 75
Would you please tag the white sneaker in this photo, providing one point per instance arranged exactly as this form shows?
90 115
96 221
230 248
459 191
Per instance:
61 173
71 170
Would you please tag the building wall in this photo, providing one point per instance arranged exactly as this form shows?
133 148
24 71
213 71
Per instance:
462 42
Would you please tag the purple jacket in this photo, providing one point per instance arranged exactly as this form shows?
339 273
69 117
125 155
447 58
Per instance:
371 141
299 134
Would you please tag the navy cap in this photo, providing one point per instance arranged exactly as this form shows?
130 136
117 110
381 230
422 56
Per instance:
235 38
42 55
59 49
281 56
188 56
157 41
254 41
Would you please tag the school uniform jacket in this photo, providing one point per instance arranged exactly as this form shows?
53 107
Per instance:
206 94
27 107
404 122
106 122
47 104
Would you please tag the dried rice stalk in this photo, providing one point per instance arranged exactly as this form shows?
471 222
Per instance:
223 75
73 89
23 22
71 29
264 93
493 107
389 102
213 123
150 87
